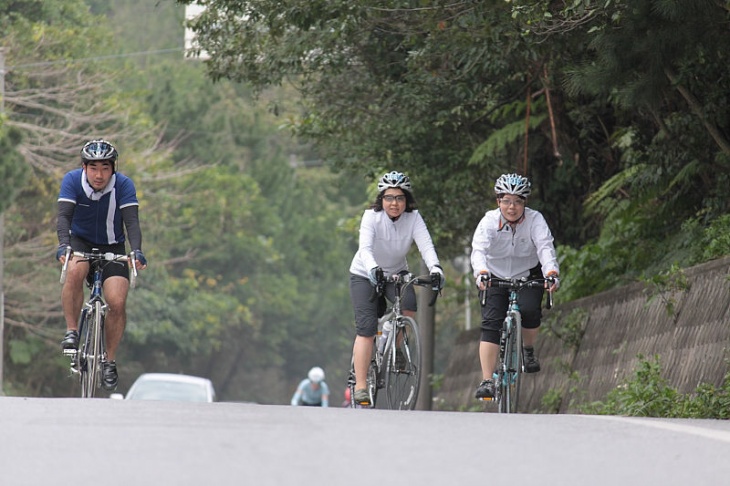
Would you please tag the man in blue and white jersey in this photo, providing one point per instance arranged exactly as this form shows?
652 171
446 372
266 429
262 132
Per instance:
95 205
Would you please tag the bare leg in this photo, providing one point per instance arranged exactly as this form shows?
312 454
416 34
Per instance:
72 293
488 353
115 294
362 350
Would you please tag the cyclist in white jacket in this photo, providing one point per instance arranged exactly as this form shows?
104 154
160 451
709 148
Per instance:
512 241
387 232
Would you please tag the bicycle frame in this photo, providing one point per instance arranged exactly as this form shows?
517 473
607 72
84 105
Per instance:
87 359
507 380
397 367
511 366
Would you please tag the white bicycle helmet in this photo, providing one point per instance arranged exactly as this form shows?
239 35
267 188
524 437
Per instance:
316 374
512 184
394 179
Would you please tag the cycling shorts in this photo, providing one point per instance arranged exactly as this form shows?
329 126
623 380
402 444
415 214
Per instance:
113 269
366 312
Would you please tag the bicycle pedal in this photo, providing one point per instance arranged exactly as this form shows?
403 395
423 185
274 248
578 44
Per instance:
71 353
486 399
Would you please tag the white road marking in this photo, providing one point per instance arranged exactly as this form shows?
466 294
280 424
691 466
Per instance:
674 427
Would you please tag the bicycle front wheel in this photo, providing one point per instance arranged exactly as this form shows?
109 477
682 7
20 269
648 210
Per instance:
92 353
510 383
402 363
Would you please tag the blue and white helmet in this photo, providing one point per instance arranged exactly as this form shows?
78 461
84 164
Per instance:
98 151
394 179
512 184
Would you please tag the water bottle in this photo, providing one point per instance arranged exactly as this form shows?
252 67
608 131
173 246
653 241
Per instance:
387 327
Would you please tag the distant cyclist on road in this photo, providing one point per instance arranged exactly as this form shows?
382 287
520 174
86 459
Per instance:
387 232
512 241
312 391
95 205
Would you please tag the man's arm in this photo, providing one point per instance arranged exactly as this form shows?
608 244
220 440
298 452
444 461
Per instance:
63 224
130 216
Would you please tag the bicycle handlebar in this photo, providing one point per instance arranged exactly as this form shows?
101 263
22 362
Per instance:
131 259
517 284
404 280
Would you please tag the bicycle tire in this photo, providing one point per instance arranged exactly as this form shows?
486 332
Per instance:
91 373
84 348
402 382
512 369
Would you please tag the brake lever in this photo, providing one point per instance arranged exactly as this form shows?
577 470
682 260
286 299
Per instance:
483 293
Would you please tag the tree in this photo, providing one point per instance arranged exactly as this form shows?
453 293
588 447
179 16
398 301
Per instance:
12 173
390 86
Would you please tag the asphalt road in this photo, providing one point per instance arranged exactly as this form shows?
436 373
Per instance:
119 442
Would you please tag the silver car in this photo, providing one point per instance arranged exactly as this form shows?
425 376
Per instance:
170 387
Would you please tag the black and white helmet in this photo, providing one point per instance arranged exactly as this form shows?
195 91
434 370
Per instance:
99 151
394 179
512 184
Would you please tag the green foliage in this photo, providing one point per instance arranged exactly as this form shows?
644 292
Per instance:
714 241
648 394
21 352
551 400
508 135
665 285
571 327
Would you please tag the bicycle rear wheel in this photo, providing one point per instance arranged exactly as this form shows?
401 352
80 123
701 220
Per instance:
402 364
372 379
91 354
510 380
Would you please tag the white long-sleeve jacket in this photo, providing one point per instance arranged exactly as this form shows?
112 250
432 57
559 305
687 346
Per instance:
508 253
385 243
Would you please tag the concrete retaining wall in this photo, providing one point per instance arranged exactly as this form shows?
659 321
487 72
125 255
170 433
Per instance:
689 329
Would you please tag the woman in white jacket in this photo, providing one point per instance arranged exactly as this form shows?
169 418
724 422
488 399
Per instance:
387 232
512 241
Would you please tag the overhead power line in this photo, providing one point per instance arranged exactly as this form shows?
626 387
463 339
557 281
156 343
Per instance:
95 58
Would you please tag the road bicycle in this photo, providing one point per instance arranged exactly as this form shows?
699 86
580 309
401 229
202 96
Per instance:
395 365
511 365
86 361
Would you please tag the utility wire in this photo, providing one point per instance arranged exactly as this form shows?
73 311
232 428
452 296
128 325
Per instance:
95 58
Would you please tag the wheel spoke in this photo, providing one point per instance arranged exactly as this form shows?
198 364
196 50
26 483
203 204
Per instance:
509 384
90 374
403 370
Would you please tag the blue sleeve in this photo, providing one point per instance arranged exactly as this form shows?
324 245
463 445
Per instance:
127 195
68 187
298 394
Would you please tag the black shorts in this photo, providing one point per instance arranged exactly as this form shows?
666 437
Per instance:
495 310
113 269
366 312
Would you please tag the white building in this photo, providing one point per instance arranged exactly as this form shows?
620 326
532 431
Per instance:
191 12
